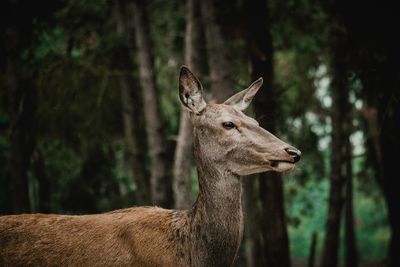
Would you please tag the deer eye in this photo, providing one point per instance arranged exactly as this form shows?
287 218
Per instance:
228 125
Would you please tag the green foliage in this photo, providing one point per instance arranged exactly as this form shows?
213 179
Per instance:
62 166
371 225
306 207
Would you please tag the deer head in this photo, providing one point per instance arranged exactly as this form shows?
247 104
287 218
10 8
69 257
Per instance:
226 136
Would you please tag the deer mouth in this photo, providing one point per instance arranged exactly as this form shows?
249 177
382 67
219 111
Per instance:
275 163
282 165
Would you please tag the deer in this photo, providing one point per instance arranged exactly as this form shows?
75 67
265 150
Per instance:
227 146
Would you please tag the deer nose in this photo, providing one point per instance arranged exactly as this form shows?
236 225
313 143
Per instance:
295 153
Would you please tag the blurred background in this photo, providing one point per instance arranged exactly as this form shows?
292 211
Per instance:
90 119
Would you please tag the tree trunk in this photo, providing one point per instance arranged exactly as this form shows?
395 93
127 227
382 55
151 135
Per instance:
221 85
379 73
43 182
389 117
313 248
253 241
134 136
382 115
22 100
350 235
340 137
259 45
159 180
183 151
390 144
132 109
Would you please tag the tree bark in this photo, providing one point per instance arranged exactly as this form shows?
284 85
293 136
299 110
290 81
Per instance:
43 182
259 45
390 144
254 251
134 136
159 180
313 247
22 100
183 151
382 115
379 73
221 85
132 109
338 172
350 234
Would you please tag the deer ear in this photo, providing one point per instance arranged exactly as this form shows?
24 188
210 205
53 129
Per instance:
243 99
191 91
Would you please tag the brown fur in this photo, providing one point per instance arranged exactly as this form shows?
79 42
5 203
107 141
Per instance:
129 237
207 235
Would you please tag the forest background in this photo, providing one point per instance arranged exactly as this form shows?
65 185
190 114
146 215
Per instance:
90 119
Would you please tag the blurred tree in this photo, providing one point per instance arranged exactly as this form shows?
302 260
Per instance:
22 94
375 59
389 115
217 51
382 114
132 105
340 137
44 184
183 150
351 252
313 246
159 180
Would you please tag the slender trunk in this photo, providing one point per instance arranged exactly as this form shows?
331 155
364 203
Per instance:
351 253
182 163
313 247
183 152
18 163
22 100
135 148
389 118
254 251
350 235
338 173
389 140
221 85
259 45
132 109
43 181
159 180
382 115
379 73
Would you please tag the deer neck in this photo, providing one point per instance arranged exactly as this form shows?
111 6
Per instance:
217 216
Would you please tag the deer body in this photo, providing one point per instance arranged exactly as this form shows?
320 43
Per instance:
122 238
227 145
